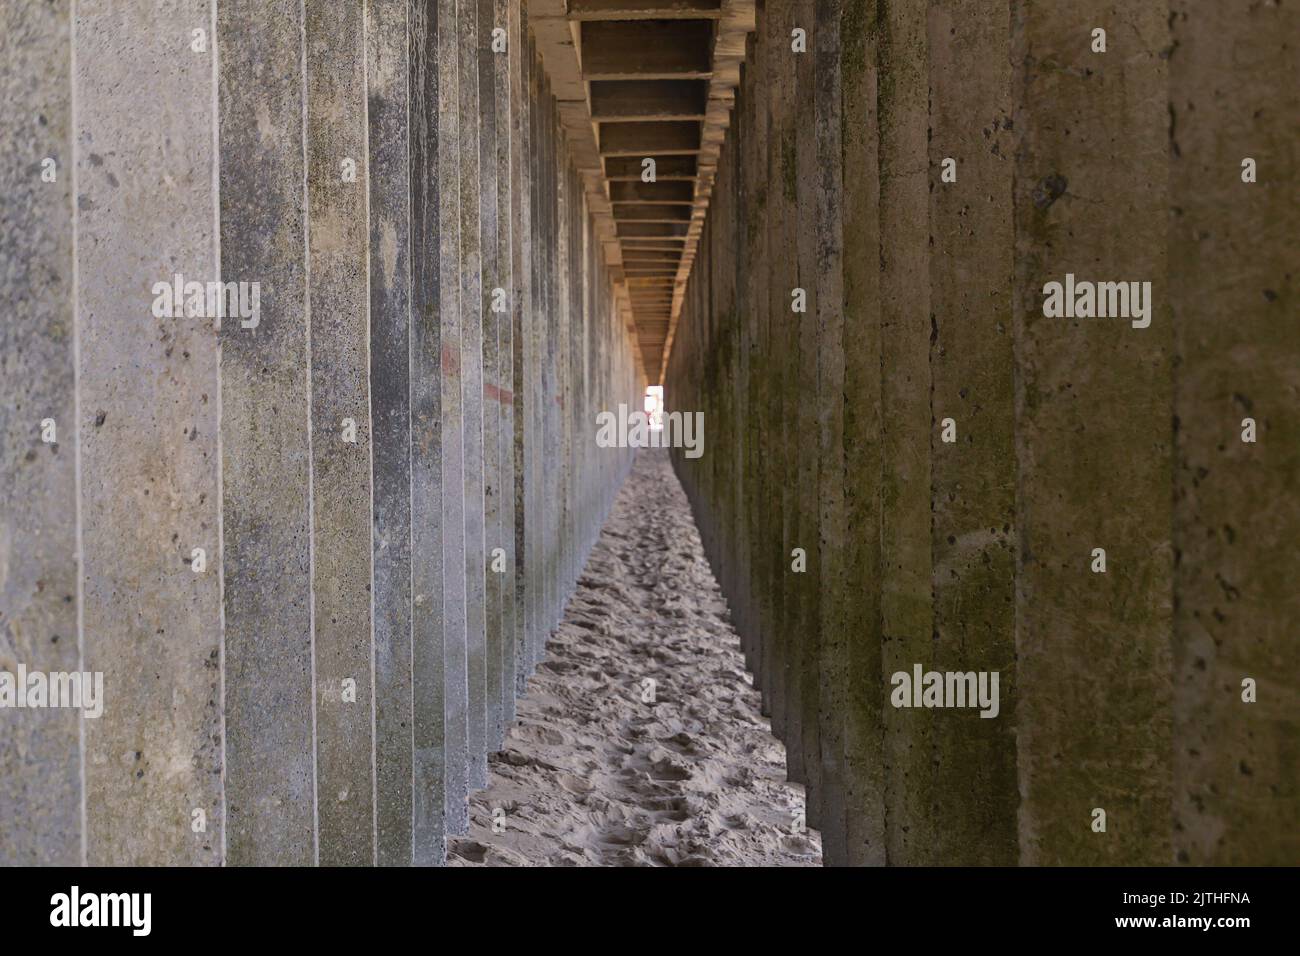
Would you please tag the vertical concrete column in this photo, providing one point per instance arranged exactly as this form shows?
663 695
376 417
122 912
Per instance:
520 306
487 394
536 348
40 750
864 781
833 583
453 237
337 266
473 242
1232 262
758 235
750 270
434 287
782 255
582 435
148 434
387 31
552 436
535 526
906 613
973 465
1094 444
503 378
571 324
270 758
549 506
805 417
503 82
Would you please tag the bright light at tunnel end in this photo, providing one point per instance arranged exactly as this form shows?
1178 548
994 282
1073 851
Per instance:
651 427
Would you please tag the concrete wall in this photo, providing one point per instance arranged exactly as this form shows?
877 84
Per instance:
324 682
1119 690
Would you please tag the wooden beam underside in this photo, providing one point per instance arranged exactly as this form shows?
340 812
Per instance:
637 80
644 9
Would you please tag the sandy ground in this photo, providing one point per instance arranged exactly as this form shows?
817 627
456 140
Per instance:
592 775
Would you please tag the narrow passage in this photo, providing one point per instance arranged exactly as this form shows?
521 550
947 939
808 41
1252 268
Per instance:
591 773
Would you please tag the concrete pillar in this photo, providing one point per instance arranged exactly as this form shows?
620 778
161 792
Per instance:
864 780
40 751
475 189
570 290
549 506
972 368
497 374
833 584
751 123
535 520
1093 440
906 612
453 240
520 64
433 290
270 761
1231 258
782 250
337 265
534 244
388 107
806 414
149 413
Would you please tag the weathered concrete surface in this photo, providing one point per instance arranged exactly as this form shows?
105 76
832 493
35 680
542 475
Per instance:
40 755
521 300
451 436
148 401
389 121
494 277
549 505
340 393
782 345
972 367
310 680
507 113
907 620
835 587
1118 691
1232 263
433 279
1093 439
265 462
475 188
860 261
804 396
751 127
534 523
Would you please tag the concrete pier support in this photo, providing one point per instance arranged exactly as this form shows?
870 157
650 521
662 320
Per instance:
864 784
337 264
432 274
270 733
40 763
388 136
972 372
451 154
149 419
1054 499
474 189
266 512
1235 790
1093 442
